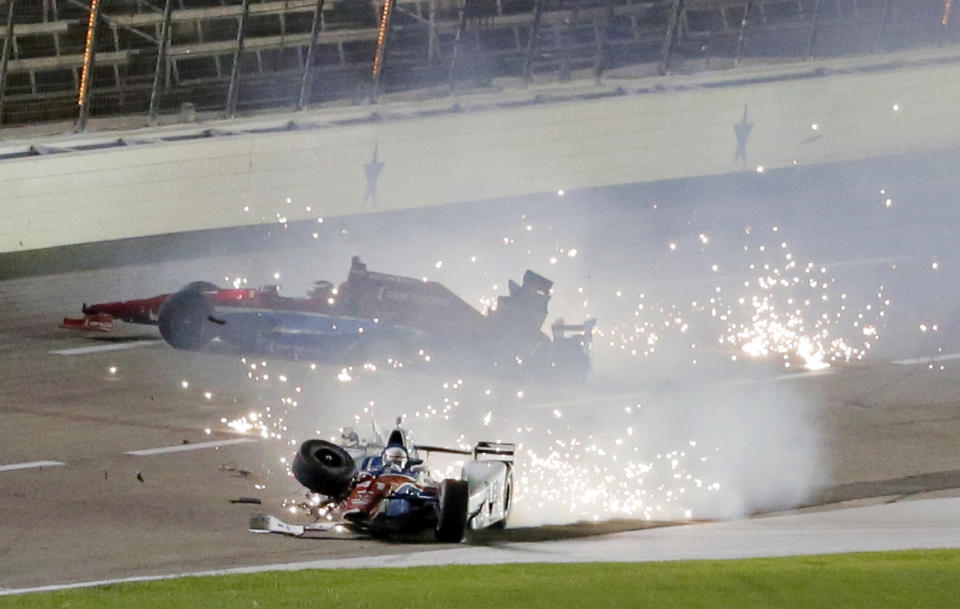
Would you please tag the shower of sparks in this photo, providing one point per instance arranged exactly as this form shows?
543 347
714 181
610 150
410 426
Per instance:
582 480
794 315
769 303
774 307
560 475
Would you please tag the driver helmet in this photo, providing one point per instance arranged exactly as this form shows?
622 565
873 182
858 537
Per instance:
394 457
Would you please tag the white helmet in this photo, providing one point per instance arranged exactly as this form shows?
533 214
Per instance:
394 457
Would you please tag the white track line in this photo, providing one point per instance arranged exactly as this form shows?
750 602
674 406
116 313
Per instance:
108 347
176 448
930 359
30 465
802 375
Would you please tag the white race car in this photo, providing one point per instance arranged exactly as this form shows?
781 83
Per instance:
381 488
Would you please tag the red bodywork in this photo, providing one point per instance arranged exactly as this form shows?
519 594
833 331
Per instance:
366 496
404 301
147 310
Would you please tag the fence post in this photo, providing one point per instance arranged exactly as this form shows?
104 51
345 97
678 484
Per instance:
161 61
381 48
7 47
602 36
813 30
86 75
457 41
305 77
668 41
232 90
432 32
532 42
742 40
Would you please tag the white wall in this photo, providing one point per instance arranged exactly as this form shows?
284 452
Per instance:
477 154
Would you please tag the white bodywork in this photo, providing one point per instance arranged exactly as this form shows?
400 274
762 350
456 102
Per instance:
489 483
489 477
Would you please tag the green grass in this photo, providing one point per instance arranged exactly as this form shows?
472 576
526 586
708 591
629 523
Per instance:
916 579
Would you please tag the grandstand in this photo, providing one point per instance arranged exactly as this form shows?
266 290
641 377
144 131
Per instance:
172 59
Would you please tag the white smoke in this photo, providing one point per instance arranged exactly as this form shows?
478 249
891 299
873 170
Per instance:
671 426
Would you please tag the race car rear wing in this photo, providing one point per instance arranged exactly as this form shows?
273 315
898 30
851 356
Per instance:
500 451
441 449
562 331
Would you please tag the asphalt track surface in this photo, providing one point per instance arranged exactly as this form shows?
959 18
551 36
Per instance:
81 500
92 518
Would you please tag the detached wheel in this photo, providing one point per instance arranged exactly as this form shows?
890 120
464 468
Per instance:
452 521
184 320
324 467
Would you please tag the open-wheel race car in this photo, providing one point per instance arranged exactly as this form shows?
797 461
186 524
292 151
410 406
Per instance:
370 315
382 489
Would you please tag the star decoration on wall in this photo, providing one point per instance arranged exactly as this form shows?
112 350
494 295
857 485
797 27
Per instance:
742 131
372 171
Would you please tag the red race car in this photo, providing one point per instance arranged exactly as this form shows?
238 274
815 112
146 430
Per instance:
370 315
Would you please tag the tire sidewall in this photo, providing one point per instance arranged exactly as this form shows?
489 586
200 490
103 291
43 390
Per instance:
319 476
182 320
452 509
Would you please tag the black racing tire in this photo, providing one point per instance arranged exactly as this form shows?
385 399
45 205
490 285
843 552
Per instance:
323 467
452 517
184 320
507 504
200 286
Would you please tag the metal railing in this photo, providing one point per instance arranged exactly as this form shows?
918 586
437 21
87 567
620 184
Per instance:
70 59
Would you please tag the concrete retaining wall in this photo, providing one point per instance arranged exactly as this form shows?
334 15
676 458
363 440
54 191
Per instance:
484 151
